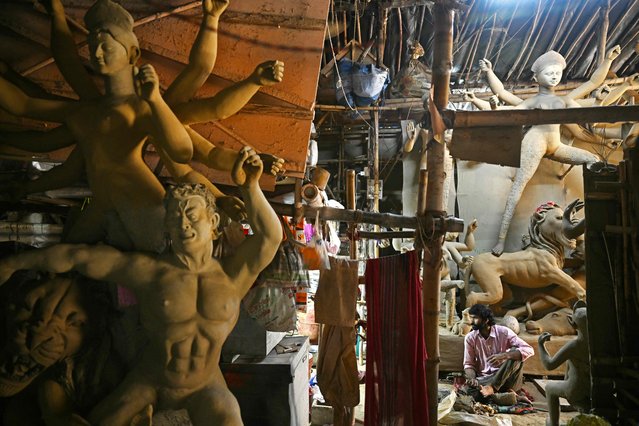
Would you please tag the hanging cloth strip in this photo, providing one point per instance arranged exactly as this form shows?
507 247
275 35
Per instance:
396 391
335 307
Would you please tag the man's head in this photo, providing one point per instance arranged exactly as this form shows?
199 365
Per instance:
481 316
548 68
106 17
191 217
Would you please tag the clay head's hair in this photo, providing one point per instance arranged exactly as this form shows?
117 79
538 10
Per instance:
110 17
185 190
548 58
483 312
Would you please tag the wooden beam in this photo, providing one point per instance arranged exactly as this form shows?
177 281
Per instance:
517 117
349 216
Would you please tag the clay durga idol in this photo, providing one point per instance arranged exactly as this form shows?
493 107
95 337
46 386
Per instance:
110 129
543 140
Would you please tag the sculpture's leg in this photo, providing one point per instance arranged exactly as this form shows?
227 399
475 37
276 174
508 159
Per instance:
130 398
490 283
553 392
572 155
533 149
214 405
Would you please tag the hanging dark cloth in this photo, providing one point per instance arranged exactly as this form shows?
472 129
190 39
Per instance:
396 353
335 307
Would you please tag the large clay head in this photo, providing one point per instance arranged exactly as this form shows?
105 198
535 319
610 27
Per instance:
47 321
548 68
108 22
191 217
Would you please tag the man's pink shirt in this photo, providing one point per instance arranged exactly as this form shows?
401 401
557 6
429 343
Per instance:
477 349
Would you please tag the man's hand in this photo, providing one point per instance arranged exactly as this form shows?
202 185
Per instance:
148 83
497 359
233 207
273 165
613 53
485 65
214 7
248 167
544 337
473 383
472 226
268 73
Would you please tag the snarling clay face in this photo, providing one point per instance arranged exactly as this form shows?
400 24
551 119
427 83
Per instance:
45 327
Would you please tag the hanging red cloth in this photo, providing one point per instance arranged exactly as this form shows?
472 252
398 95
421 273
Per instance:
396 391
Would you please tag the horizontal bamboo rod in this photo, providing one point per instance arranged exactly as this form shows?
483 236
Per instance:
350 216
382 235
522 117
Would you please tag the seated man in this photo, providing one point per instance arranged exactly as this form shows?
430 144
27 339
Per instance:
493 355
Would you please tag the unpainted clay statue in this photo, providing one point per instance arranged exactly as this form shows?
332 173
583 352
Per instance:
112 129
544 140
538 265
576 385
127 197
556 323
57 339
464 325
189 301
555 297
451 251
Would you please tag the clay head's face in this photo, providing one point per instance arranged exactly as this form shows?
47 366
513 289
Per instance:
47 326
550 75
189 223
108 56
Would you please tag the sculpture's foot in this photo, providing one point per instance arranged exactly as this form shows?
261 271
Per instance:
498 249
487 390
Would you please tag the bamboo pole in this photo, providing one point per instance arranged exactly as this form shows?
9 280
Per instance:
347 215
350 204
443 18
375 168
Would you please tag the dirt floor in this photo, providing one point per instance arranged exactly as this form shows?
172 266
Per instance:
532 419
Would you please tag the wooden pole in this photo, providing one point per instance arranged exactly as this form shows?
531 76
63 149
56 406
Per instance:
442 64
350 204
532 117
375 168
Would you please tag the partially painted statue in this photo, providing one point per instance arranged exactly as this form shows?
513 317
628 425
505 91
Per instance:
189 301
543 140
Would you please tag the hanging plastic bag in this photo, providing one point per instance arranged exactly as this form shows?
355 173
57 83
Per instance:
369 82
272 307
287 269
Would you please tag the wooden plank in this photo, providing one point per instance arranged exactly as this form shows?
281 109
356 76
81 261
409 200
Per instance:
492 145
